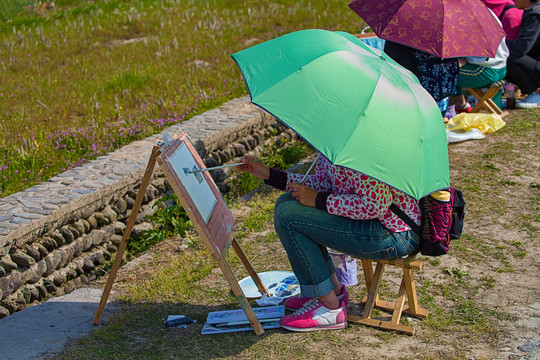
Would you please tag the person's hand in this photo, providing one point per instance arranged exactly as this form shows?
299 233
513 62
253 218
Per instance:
305 196
254 166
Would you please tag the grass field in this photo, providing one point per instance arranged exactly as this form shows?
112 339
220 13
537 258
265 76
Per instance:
89 76
480 296
84 78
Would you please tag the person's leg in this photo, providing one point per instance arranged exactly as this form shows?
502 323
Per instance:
477 77
299 301
285 197
306 233
524 72
310 261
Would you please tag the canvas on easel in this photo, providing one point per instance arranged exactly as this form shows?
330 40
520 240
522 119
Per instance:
207 210
197 193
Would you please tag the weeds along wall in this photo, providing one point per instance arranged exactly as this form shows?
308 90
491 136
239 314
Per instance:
58 235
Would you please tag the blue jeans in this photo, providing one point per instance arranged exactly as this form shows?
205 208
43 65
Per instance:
307 232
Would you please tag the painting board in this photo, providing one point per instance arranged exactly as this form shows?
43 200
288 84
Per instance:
197 192
195 184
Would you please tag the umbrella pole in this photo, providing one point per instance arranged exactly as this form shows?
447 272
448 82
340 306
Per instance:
310 167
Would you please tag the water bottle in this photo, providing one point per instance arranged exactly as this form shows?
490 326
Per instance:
441 195
510 92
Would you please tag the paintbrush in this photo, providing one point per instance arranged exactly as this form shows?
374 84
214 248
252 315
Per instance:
187 171
310 167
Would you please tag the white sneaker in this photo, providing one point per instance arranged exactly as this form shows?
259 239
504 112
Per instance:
531 101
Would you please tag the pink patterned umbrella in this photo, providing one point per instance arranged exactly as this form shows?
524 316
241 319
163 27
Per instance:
444 28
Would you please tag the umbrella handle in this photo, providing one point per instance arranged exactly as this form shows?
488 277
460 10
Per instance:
311 167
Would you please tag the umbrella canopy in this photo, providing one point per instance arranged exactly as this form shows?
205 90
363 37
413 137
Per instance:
353 104
444 28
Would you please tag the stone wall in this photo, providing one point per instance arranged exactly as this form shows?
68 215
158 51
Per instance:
58 235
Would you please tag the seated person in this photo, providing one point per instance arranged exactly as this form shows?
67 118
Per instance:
334 200
479 72
438 76
509 15
523 65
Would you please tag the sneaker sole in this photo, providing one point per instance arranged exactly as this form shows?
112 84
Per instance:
527 106
316 328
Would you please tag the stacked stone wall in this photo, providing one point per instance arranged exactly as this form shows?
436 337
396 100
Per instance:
61 234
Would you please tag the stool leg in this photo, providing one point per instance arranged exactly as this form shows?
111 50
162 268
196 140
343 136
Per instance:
412 300
368 272
372 291
407 290
485 101
478 95
488 102
400 302
367 266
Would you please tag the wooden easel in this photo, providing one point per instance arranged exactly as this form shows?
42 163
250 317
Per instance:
215 232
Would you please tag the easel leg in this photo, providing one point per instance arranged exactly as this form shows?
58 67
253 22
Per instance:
127 233
247 264
237 291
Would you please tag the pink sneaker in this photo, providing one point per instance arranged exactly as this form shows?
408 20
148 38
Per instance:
297 302
315 316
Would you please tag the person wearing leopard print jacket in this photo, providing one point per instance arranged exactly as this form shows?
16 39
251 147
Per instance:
337 208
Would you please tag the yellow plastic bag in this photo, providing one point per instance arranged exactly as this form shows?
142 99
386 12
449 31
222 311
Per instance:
486 123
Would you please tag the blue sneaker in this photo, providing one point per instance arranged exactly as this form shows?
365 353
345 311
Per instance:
530 102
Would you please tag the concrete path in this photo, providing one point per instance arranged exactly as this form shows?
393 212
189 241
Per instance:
45 329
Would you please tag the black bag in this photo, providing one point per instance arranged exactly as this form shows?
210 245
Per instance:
442 221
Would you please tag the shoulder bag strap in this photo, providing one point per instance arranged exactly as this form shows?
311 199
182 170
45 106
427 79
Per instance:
509 6
406 219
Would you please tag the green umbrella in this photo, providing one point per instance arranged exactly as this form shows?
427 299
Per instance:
352 103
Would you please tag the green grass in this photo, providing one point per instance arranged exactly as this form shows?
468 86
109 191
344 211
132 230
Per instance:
453 288
92 76
174 283
169 220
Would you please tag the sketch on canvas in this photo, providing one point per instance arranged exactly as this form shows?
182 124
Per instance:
195 184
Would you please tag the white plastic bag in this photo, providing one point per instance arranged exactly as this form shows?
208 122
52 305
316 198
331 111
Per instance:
457 136
345 268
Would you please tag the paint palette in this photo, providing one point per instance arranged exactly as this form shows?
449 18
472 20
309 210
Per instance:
279 283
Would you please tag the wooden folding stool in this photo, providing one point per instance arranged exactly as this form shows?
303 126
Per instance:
485 99
407 288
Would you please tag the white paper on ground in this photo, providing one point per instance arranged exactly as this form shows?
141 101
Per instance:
226 316
236 320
